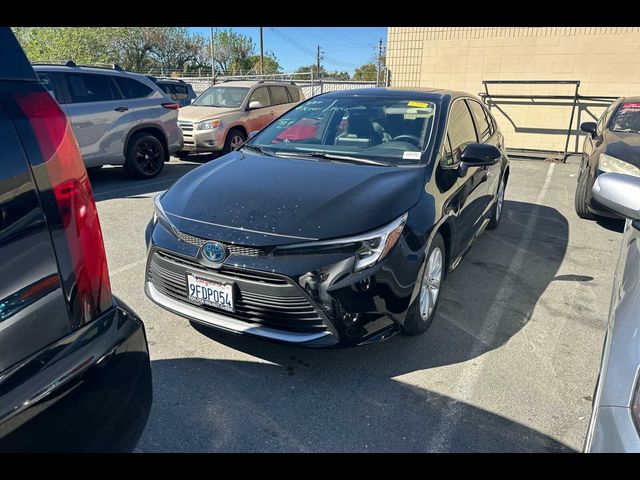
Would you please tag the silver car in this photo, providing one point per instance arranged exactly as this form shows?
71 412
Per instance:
615 422
118 117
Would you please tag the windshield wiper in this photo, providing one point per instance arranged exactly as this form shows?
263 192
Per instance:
258 148
330 156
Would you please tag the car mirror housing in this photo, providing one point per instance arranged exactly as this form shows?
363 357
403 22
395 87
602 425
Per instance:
480 155
619 193
254 105
589 127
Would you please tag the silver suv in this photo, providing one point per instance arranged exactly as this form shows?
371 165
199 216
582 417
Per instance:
118 117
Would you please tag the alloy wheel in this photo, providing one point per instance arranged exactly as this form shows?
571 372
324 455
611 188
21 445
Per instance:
431 280
148 157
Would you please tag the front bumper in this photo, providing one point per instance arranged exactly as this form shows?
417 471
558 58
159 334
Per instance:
89 392
201 140
612 430
312 300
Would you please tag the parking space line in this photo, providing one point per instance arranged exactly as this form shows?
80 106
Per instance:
129 266
471 374
98 195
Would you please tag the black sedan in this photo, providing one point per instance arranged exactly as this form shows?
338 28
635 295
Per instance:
334 225
613 145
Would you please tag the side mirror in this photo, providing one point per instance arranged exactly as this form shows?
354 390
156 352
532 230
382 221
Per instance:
619 193
254 105
252 134
480 155
192 100
589 127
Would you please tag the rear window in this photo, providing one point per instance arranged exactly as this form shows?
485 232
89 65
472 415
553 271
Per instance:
294 93
627 119
132 88
279 95
85 87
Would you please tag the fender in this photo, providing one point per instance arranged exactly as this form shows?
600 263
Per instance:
144 126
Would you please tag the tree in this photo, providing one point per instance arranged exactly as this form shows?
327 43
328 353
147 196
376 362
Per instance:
232 51
366 72
323 72
271 64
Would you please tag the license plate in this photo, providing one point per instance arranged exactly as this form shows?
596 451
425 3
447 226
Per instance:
210 293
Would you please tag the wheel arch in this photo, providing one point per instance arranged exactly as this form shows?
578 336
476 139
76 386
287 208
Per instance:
151 129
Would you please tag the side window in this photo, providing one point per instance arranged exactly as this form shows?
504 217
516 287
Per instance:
447 154
261 95
482 122
602 122
294 93
132 88
47 80
279 95
461 130
85 87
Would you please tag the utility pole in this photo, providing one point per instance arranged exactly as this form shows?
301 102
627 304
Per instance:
261 54
318 62
379 63
213 72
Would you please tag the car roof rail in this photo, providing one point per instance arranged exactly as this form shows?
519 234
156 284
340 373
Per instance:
64 63
278 81
71 63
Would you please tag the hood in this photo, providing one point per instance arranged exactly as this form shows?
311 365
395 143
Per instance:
625 146
197 114
276 201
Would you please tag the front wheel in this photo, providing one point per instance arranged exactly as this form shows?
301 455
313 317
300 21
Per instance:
498 206
423 309
234 139
580 200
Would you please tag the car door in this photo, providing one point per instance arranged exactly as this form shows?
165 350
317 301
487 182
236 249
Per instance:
489 134
470 188
100 118
280 99
259 118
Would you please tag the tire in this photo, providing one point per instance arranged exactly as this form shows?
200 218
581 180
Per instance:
420 316
234 136
145 156
498 206
581 197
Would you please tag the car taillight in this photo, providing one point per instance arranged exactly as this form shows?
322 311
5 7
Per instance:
171 106
86 283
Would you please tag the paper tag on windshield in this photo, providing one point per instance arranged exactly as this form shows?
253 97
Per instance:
411 156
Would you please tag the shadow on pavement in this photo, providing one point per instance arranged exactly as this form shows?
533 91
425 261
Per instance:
245 406
113 182
612 224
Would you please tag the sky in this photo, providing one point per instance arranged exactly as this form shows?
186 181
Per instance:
343 48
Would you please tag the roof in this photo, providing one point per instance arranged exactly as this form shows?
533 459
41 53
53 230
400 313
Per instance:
103 70
418 92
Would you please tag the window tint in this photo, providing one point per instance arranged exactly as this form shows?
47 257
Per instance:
85 87
461 131
261 95
448 155
480 116
294 93
132 88
180 92
279 95
47 79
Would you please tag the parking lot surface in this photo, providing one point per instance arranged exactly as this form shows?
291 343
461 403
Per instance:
509 363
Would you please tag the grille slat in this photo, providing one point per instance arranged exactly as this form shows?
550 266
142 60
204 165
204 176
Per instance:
289 311
233 249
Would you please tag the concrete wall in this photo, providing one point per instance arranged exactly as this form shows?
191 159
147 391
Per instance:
606 60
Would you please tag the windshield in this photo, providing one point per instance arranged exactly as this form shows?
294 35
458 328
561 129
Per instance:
383 130
229 97
627 119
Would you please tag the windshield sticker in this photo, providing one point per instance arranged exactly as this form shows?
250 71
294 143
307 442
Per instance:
417 104
631 105
411 156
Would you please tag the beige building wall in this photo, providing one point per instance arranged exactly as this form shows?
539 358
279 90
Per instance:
606 61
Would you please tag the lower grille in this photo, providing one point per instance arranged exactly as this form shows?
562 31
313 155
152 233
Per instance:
233 249
260 298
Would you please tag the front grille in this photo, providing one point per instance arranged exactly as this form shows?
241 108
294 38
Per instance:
233 249
260 298
186 126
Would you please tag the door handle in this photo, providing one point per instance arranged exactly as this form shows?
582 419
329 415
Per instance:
121 109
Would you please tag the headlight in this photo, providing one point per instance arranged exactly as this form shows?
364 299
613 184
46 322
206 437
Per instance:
208 125
369 248
607 163
159 215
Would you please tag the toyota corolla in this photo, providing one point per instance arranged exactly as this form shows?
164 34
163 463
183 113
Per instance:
342 235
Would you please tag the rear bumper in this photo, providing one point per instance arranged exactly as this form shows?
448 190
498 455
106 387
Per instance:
593 206
612 430
89 392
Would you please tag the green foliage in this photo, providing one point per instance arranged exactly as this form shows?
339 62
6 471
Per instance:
366 72
323 72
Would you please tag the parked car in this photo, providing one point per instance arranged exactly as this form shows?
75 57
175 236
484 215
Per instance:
613 145
74 363
340 238
615 421
225 114
178 90
118 117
